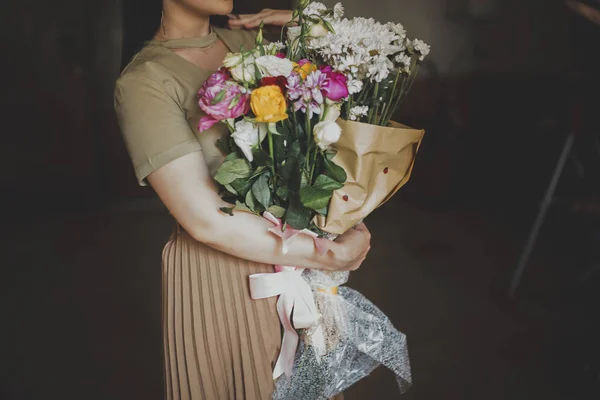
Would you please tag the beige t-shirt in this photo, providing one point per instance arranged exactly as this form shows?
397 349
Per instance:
157 105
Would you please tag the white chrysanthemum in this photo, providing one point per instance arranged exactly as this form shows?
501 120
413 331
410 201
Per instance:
398 29
274 47
338 11
359 46
380 69
314 9
403 61
357 112
421 47
354 86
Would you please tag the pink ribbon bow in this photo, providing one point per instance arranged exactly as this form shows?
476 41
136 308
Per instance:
295 295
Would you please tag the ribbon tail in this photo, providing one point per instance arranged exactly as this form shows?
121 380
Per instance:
285 362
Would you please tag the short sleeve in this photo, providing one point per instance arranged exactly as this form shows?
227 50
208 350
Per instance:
153 125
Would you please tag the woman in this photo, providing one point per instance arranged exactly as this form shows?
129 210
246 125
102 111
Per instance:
218 342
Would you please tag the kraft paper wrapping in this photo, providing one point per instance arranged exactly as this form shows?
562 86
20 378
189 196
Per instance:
378 161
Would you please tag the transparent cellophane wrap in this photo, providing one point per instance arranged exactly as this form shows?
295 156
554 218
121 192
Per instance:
353 337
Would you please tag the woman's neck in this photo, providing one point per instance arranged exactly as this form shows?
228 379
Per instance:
179 23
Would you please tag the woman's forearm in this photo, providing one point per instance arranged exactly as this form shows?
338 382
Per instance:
186 188
246 236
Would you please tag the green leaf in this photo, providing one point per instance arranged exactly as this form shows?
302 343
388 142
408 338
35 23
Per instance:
223 145
239 206
290 166
304 179
278 212
315 199
227 210
257 74
241 186
258 172
297 216
330 153
232 156
272 128
230 189
261 157
251 202
261 191
219 97
282 192
334 171
328 26
232 170
323 211
326 183
234 102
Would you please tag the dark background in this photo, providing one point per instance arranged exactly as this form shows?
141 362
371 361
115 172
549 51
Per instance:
505 84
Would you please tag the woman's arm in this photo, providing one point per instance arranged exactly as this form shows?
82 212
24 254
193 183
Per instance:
186 188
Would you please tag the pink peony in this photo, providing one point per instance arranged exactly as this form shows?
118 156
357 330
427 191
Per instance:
336 86
221 99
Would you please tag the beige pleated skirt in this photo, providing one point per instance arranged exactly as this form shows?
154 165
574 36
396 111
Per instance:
218 343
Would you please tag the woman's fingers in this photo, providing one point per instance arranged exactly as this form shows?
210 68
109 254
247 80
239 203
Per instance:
266 16
251 20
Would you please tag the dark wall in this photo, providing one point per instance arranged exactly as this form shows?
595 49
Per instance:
64 149
60 59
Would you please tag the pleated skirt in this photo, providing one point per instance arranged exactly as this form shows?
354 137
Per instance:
218 343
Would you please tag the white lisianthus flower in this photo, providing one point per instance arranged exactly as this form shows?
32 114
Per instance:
317 30
327 133
245 72
248 136
332 111
422 48
232 59
357 112
293 32
274 66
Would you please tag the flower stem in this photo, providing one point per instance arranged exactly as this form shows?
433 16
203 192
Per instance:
405 88
314 163
308 132
271 153
348 107
372 110
386 110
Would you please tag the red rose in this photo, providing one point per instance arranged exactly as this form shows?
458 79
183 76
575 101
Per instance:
280 81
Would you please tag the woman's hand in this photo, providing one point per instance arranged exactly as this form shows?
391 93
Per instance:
351 248
266 16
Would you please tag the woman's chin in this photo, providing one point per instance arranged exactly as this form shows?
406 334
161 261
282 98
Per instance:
224 7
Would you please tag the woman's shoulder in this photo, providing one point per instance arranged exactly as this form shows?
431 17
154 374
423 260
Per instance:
149 64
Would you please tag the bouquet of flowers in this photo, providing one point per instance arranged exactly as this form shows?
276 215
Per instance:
313 149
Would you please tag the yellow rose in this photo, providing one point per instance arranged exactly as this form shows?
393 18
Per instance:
305 69
268 104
